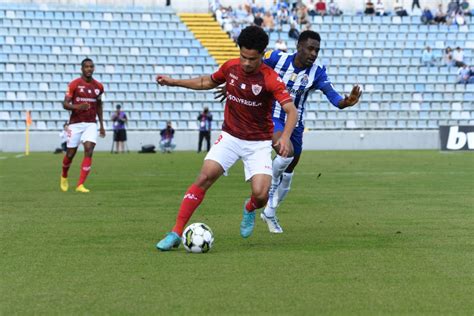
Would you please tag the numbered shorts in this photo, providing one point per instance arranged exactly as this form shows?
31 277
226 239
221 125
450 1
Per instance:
80 133
255 154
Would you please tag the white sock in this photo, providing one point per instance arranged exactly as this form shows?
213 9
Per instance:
285 186
279 165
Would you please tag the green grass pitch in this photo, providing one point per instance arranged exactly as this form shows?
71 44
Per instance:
379 232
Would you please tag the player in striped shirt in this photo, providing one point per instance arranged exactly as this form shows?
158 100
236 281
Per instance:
301 75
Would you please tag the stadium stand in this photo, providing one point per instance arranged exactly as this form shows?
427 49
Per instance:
42 47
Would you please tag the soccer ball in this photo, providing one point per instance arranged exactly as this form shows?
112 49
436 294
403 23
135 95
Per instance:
198 238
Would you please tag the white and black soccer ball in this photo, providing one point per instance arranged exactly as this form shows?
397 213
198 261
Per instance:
198 238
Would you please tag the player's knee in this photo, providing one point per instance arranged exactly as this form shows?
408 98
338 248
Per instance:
261 196
204 180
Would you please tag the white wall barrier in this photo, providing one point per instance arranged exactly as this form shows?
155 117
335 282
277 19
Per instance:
313 140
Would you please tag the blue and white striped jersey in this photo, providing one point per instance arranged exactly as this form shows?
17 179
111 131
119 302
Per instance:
300 82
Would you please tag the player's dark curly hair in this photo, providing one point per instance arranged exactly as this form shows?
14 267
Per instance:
253 37
83 62
309 34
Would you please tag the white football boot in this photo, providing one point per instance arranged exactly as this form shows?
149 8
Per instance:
272 223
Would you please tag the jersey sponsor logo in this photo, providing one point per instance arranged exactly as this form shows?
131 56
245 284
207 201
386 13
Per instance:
89 90
295 92
97 91
243 101
78 99
256 89
293 76
242 86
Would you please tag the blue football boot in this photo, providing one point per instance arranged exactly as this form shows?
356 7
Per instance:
248 222
172 240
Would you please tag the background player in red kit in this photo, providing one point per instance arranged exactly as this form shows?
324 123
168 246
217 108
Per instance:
84 100
246 132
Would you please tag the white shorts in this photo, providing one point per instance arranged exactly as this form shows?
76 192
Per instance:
255 154
80 133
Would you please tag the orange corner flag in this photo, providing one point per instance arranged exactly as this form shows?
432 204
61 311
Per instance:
28 118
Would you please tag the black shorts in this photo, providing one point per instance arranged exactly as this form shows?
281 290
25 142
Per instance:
120 135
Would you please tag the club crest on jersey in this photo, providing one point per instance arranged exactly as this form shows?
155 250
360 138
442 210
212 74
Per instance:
97 91
305 80
256 89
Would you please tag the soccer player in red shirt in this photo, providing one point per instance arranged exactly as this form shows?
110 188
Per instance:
84 100
246 132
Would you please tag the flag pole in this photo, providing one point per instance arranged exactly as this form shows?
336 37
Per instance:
27 134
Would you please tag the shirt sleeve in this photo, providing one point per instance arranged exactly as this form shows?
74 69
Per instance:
101 89
324 84
271 58
70 89
219 75
277 88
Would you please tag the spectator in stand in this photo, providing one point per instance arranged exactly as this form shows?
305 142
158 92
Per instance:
235 32
415 3
268 22
258 20
321 8
464 5
458 57
452 7
448 57
369 8
242 16
427 58
459 18
293 32
283 16
465 75
302 14
399 10
379 8
275 7
427 17
334 8
440 16
281 45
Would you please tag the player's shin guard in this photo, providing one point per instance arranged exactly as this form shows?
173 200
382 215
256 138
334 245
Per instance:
285 186
66 164
192 198
279 165
85 169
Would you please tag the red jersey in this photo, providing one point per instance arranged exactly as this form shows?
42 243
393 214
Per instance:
248 108
81 91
